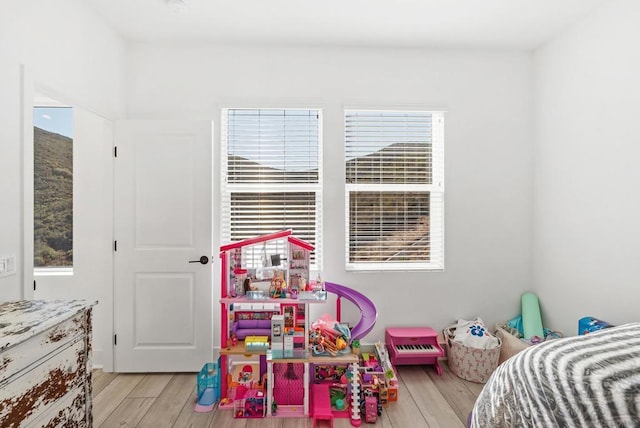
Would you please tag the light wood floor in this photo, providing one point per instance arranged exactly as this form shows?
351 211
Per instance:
168 400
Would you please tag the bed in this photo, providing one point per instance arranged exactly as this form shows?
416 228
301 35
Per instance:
583 381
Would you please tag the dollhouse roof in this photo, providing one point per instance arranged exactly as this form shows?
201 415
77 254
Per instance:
269 237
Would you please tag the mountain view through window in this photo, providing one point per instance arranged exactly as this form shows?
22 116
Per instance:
53 186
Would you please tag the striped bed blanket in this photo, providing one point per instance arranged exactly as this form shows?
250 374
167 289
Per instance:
584 381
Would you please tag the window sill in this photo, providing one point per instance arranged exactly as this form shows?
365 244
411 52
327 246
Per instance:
67 271
392 269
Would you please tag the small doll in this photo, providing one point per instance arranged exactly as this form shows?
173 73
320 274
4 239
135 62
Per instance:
246 285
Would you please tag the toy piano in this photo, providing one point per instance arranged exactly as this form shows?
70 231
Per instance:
414 345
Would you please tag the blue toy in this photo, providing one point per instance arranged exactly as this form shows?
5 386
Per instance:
588 325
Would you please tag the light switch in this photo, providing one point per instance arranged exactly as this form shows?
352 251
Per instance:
7 265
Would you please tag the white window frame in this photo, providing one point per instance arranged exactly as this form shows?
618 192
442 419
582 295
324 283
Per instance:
227 188
436 201
46 102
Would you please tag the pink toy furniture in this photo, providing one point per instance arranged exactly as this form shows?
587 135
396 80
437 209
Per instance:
288 382
321 404
414 345
244 328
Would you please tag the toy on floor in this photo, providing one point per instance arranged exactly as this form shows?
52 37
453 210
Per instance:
391 393
207 388
370 409
531 320
588 325
375 381
206 401
354 392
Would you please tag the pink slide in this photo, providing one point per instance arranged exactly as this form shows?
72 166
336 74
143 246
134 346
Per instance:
368 310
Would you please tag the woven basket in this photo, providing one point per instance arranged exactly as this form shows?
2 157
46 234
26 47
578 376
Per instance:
511 345
472 364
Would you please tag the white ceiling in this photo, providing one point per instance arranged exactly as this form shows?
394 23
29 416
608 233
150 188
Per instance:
493 24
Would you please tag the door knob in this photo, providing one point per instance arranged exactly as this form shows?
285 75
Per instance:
204 260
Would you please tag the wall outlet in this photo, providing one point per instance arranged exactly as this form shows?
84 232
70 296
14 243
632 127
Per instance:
7 265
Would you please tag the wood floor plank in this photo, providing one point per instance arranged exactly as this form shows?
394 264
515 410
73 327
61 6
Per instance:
455 391
167 407
96 374
475 388
339 423
224 418
107 400
300 423
383 420
151 385
433 406
129 413
265 423
405 412
100 380
189 418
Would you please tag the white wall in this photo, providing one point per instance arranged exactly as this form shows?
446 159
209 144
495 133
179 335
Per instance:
70 54
488 154
586 199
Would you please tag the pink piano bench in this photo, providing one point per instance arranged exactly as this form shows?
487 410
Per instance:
321 404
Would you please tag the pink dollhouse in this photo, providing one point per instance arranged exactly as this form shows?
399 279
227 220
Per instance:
265 292
265 278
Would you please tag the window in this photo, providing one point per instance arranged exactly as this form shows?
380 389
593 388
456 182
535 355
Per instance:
394 190
53 187
271 168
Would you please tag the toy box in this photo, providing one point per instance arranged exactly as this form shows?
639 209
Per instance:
472 364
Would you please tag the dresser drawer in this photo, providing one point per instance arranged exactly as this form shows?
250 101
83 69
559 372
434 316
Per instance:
69 411
27 353
29 394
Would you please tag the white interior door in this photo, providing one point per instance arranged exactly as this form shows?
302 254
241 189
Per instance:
163 300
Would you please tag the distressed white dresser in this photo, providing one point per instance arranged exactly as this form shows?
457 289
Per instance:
45 363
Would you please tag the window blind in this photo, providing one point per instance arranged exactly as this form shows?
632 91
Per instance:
271 168
394 190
